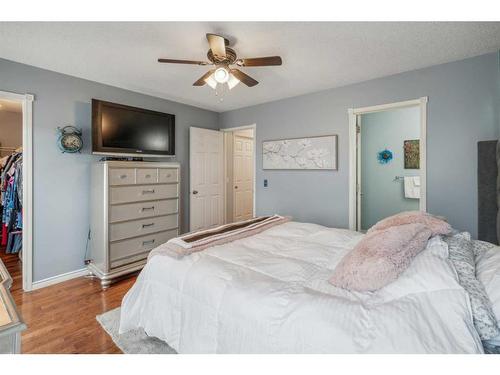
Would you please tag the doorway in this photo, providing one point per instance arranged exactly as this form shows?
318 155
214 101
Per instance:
16 187
221 176
387 171
239 160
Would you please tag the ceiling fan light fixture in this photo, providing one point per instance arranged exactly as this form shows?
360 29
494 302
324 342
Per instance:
210 80
232 81
221 75
224 74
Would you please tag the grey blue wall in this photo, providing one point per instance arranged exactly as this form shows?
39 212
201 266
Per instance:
61 181
382 195
463 108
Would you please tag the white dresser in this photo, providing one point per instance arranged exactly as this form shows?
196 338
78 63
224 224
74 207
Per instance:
134 208
11 323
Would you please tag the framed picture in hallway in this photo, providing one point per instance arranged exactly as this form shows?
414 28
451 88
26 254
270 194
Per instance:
310 153
412 154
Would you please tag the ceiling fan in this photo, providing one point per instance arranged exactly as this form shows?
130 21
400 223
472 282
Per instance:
223 58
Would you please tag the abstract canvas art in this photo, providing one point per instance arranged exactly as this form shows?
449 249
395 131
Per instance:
412 154
301 153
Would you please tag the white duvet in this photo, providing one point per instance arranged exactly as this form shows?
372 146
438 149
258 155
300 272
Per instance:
270 294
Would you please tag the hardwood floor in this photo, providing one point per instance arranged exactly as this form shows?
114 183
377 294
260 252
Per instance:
61 318
14 266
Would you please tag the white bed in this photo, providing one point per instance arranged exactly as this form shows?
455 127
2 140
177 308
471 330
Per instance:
270 294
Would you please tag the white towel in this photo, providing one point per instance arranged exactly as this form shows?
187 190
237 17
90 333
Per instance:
412 187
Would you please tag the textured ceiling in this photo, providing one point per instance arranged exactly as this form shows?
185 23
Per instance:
316 56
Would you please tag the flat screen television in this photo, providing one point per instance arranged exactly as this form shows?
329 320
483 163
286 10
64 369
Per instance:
122 130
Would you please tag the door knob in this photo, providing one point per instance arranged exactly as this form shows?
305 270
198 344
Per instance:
236 187
195 191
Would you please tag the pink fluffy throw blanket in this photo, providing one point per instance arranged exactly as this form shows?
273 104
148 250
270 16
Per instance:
436 224
380 257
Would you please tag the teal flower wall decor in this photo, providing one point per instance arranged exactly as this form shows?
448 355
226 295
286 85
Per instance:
384 156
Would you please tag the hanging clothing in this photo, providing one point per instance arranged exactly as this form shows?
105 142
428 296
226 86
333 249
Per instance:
11 177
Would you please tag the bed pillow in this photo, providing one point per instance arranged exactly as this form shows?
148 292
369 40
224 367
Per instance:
380 257
488 272
435 224
461 253
483 251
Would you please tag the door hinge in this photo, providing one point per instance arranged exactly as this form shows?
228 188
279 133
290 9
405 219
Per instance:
358 129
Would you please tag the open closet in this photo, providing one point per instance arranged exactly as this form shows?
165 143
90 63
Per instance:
11 178
11 200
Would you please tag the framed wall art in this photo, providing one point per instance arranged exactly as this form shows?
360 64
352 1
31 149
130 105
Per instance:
412 154
312 153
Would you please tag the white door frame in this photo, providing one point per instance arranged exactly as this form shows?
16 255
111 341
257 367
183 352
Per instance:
254 128
358 173
27 257
353 113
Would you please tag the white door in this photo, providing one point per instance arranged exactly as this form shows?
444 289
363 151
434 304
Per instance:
242 178
206 162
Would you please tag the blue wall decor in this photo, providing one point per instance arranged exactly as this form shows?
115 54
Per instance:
384 156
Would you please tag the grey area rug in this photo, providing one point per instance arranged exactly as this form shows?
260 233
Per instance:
132 342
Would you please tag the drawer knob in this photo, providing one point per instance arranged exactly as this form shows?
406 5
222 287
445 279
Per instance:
123 176
152 191
169 175
148 225
150 242
195 192
148 176
148 208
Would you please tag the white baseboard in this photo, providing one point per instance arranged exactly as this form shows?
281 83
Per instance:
60 278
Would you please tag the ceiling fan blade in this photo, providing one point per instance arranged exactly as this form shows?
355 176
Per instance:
245 78
260 61
217 45
173 61
201 80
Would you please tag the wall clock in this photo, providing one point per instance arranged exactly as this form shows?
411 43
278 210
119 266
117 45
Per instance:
70 139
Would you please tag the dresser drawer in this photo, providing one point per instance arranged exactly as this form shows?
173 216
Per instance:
121 176
138 193
133 211
168 175
146 175
128 229
121 250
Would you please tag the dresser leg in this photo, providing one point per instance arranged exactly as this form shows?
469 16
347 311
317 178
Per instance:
17 343
105 284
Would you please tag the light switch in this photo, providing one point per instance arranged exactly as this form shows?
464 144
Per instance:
265 182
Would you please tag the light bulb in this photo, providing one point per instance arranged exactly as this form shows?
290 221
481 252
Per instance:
211 81
221 75
232 81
